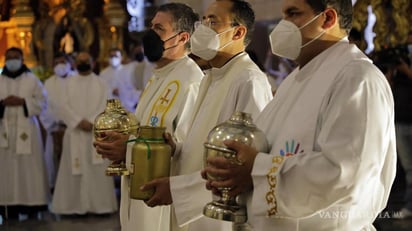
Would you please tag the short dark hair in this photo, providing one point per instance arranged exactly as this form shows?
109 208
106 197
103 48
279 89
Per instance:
16 49
61 54
343 8
244 15
184 17
116 49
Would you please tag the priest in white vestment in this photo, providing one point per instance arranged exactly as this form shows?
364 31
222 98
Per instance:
119 80
234 83
51 118
330 127
140 68
167 101
23 176
81 185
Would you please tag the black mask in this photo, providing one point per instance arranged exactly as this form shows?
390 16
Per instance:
153 45
84 67
139 56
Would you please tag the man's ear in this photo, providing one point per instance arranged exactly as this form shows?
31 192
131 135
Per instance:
240 32
184 37
331 18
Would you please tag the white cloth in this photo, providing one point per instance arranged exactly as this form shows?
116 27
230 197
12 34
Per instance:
22 169
81 185
142 71
238 86
332 160
51 117
121 78
167 101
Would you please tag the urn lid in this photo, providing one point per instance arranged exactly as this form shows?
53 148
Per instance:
239 127
114 118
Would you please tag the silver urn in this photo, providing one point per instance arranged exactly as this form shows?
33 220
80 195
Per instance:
239 127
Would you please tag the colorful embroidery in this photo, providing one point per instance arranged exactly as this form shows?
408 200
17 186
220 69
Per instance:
153 121
290 149
163 104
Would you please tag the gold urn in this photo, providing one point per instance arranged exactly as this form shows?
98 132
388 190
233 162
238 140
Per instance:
115 118
240 128
150 160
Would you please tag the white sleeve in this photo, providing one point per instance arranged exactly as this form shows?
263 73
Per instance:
48 117
254 95
252 92
189 197
185 112
36 102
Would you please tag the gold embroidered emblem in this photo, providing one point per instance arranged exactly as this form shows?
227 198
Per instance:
146 87
272 181
164 99
24 136
163 104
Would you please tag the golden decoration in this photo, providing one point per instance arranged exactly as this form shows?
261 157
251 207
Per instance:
392 24
76 163
24 136
272 181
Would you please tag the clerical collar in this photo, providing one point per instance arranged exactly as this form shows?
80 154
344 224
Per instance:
16 74
165 70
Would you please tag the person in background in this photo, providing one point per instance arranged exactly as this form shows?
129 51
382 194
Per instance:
140 68
51 118
81 185
395 63
23 177
402 87
167 101
331 161
277 68
119 80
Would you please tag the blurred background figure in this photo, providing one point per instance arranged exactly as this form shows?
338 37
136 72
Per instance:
119 80
395 64
23 177
81 185
277 68
140 67
51 117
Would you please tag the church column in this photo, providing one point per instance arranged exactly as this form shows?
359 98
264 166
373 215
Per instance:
23 17
116 17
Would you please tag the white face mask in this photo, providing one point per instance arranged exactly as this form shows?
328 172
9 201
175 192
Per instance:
115 61
205 42
286 39
13 64
61 69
